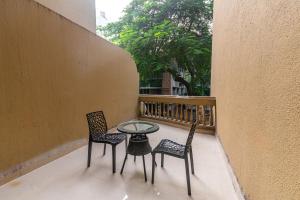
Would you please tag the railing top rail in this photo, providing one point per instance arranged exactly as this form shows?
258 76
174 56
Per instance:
195 100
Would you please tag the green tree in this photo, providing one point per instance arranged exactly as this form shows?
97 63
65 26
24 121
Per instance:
167 36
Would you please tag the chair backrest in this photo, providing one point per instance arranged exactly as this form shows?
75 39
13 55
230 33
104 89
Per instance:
97 123
191 135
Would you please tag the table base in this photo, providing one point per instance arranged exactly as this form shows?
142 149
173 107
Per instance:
138 146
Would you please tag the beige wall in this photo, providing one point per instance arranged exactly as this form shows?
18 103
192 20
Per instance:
53 72
256 80
82 12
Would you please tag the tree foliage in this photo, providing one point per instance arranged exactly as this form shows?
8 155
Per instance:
167 36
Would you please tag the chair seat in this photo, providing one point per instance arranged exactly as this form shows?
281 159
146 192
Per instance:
110 138
169 147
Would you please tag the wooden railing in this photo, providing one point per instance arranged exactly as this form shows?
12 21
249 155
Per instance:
180 110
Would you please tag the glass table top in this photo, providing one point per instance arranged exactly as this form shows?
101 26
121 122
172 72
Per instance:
138 127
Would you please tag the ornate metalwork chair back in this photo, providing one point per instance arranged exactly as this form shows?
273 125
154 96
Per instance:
190 137
97 123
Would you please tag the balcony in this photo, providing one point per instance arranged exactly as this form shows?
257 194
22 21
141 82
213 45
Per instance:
68 177
53 72
51 79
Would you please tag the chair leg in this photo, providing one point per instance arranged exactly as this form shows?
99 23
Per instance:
104 150
145 173
126 144
89 153
114 158
186 159
123 164
153 167
162 160
134 158
192 160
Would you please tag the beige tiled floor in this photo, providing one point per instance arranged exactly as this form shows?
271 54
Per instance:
68 179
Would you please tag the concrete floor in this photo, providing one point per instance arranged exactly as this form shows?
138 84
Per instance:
68 178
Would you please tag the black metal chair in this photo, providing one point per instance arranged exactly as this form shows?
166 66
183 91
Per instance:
98 134
171 148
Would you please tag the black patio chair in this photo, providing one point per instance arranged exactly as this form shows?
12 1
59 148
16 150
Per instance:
98 134
171 148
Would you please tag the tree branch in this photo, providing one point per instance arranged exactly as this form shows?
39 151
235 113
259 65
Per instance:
180 79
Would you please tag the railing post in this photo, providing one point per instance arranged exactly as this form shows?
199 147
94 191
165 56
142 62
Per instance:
176 114
141 106
181 113
186 114
211 117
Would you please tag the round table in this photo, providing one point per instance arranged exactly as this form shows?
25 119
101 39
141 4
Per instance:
138 143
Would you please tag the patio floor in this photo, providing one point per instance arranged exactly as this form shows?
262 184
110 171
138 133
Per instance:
68 177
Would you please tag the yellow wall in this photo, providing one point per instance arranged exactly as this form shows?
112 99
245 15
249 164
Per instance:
53 72
256 80
82 12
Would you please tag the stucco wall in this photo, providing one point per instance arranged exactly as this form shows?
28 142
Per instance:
82 12
256 80
53 72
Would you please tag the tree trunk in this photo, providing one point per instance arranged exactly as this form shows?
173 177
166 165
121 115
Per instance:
180 79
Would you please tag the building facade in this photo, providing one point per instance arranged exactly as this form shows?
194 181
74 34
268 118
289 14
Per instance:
163 84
